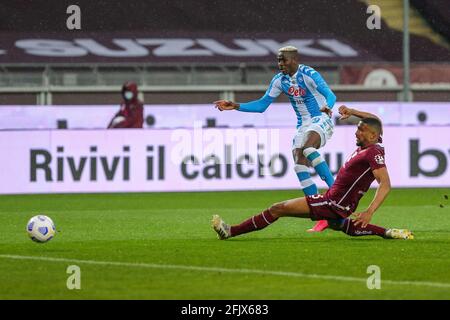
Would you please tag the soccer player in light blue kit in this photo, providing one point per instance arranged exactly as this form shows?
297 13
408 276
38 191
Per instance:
312 101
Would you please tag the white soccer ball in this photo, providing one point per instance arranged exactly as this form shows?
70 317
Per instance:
41 228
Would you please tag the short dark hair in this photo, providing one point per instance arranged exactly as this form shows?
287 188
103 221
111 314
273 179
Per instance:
374 123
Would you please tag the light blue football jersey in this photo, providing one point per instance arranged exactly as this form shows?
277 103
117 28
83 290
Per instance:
306 89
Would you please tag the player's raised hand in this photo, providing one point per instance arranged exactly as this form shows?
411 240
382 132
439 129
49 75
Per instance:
362 218
345 112
225 105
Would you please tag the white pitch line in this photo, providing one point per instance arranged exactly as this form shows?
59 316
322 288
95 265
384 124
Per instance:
225 270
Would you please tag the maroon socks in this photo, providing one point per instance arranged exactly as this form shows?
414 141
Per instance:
355 231
257 222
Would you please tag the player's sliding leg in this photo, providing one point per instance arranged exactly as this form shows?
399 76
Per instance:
257 222
294 208
348 227
299 208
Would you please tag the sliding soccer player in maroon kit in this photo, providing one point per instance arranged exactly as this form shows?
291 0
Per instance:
354 178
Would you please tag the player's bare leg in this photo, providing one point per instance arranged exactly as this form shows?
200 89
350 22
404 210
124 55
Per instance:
291 208
308 155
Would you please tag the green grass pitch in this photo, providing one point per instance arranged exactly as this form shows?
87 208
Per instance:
161 246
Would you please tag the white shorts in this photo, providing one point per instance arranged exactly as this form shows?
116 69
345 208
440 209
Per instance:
323 125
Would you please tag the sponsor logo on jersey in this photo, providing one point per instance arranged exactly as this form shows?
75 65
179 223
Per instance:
296 91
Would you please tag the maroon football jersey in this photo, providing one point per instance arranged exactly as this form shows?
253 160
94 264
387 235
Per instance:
355 177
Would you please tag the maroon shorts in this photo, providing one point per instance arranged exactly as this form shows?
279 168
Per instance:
322 208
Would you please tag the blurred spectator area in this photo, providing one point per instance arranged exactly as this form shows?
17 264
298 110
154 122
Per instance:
41 62
436 13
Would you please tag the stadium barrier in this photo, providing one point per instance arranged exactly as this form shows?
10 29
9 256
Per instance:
199 159
169 93
175 116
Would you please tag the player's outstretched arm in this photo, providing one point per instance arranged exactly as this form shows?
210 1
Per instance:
384 186
346 112
259 105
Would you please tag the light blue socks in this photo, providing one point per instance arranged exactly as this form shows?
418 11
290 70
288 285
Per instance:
319 165
308 186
